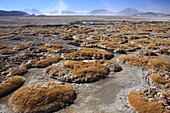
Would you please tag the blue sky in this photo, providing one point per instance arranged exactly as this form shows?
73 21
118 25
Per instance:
87 5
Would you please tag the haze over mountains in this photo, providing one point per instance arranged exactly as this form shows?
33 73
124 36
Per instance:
124 12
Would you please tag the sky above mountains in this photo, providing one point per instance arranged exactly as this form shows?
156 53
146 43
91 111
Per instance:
162 6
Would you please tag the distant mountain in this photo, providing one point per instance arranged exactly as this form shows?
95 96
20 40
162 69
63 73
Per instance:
68 12
13 13
100 11
151 14
32 11
128 11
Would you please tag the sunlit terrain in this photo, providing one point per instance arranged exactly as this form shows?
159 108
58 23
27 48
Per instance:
84 56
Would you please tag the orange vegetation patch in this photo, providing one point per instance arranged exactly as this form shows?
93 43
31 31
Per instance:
78 72
129 47
111 65
6 32
142 104
2 46
67 37
43 32
46 62
52 48
82 71
110 45
162 79
148 42
152 62
18 71
21 47
7 51
10 85
89 53
42 98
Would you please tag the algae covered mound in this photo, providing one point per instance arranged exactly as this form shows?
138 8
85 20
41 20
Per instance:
89 54
82 71
149 101
42 98
11 85
159 79
46 62
7 51
21 47
150 62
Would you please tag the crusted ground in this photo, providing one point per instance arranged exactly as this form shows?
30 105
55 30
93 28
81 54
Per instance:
82 52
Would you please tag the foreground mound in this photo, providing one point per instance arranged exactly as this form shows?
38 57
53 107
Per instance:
149 101
41 98
10 85
82 71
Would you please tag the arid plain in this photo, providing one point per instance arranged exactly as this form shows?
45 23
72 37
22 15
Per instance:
85 64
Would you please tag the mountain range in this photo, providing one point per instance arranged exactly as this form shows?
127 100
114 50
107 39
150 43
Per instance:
100 11
13 13
32 11
124 12
129 11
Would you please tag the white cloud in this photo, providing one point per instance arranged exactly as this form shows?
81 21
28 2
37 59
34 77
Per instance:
61 6
56 8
